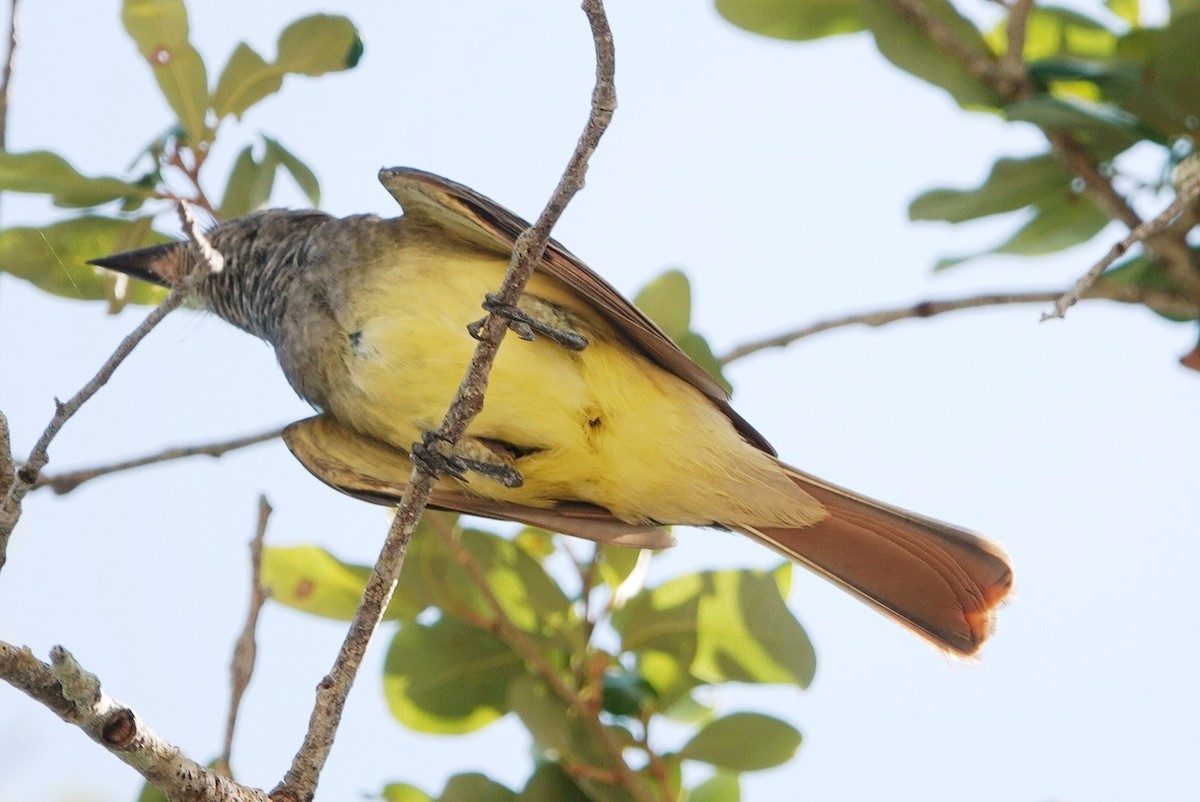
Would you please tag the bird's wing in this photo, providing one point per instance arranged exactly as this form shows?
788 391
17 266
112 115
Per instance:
469 216
373 471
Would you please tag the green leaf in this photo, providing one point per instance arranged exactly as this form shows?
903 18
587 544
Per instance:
550 783
1059 222
624 693
744 742
1142 271
715 626
1012 184
150 793
910 49
312 580
1076 114
246 79
1052 31
614 564
304 177
54 258
537 543
43 172
249 185
698 349
787 19
160 30
721 787
403 792
319 44
531 599
1176 65
1128 10
558 731
448 677
667 300
475 788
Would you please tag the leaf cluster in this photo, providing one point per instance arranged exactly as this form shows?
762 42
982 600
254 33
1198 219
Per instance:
1098 84
120 210
490 627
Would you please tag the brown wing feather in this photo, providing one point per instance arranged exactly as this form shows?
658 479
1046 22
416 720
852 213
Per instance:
373 471
484 223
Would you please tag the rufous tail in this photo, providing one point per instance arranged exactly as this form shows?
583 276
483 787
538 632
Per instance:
942 582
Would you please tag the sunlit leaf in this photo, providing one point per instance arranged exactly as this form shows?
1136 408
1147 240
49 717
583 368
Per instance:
319 44
537 543
160 30
1128 10
475 788
403 792
1012 184
787 19
1055 31
721 787
531 599
698 349
48 173
744 742
614 564
909 48
667 300
54 258
246 79
448 677
312 580
717 626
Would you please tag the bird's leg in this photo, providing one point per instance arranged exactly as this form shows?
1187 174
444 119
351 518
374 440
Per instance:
435 456
533 315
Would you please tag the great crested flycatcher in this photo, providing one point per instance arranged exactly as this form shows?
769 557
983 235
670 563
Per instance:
598 427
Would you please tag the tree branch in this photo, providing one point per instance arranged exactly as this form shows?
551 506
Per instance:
63 483
1188 192
27 475
75 696
301 779
242 666
1159 302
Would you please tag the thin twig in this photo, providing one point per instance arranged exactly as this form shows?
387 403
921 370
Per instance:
1187 193
1159 302
27 475
1013 60
75 696
516 638
241 668
6 74
301 779
62 483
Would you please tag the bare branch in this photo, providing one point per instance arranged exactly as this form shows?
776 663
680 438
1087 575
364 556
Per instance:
6 74
63 483
75 696
1188 192
515 637
1013 61
242 666
27 475
301 779
1159 302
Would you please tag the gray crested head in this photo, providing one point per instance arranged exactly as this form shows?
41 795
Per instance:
265 254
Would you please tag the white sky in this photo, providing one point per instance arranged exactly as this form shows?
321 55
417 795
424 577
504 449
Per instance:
776 175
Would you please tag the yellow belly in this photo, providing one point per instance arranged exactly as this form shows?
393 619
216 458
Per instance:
610 427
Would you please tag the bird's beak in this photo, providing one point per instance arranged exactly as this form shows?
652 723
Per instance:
159 264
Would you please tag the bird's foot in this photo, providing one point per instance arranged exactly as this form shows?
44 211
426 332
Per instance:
531 316
434 455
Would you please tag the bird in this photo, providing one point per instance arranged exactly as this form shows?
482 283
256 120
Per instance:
595 424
